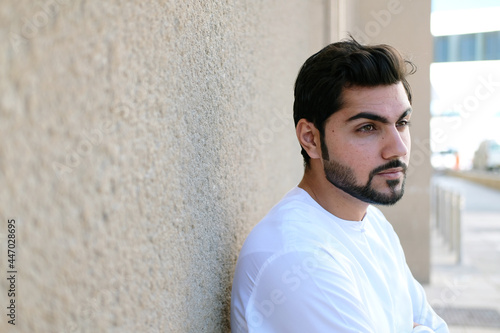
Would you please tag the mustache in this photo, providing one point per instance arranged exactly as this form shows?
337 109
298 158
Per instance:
389 165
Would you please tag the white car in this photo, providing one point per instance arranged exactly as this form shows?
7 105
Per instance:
487 156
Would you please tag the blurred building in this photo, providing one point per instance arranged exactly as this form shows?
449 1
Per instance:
465 79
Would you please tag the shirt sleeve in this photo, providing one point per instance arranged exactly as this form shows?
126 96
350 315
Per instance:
422 311
422 329
300 292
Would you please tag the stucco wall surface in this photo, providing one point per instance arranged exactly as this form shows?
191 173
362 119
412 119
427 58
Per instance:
140 141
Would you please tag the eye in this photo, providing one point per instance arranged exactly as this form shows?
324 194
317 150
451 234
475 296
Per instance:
367 128
403 123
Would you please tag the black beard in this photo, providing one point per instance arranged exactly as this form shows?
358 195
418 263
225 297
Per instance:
342 177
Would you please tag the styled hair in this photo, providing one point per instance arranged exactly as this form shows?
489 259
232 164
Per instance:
343 65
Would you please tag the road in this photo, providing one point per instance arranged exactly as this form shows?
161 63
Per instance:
478 198
467 294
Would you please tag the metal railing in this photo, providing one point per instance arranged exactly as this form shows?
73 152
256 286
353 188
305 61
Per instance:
447 207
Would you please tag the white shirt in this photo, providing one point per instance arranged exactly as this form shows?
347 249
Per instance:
302 269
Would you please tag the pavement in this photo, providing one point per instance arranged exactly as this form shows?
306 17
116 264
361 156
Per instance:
467 293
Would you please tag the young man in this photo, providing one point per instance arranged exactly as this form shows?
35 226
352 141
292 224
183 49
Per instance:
324 259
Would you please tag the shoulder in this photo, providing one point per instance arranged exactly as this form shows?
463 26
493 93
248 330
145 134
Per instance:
289 289
289 224
298 291
378 220
294 240
384 230
376 215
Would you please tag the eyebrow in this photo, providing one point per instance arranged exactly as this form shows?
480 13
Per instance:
376 117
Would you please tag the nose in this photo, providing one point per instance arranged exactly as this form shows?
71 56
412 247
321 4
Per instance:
396 143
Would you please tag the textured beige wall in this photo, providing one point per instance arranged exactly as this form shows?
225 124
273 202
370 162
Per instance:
140 141
405 24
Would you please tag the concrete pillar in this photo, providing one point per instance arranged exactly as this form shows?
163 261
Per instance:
405 24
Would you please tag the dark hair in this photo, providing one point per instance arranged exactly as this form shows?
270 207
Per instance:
346 64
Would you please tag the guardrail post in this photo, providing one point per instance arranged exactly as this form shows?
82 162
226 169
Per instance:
447 207
458 240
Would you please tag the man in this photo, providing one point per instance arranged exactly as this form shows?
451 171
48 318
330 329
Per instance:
324 259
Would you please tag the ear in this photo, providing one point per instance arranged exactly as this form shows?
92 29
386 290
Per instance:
309 138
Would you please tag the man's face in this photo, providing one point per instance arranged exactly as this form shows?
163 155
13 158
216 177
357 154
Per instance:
367 144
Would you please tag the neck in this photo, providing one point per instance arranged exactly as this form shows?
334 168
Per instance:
331 198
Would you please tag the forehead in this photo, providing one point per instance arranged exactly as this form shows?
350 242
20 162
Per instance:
388 101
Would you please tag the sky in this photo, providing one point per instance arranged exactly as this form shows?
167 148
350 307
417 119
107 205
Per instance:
439 5
456 17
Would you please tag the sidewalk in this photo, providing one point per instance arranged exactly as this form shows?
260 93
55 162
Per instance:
467 294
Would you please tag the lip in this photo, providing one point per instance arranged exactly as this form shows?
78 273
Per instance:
394 173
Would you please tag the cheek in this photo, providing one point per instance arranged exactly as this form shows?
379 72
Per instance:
356 153
361 150
407 141
360 157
